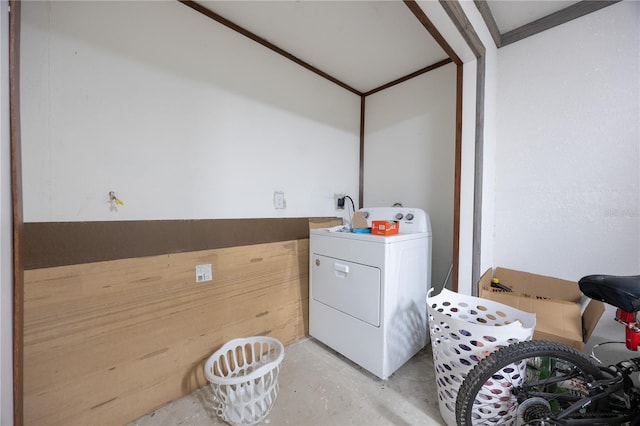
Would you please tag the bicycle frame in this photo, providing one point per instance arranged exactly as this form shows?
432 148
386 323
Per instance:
632 331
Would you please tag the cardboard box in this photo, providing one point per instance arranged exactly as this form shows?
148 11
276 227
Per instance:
560 315
384 227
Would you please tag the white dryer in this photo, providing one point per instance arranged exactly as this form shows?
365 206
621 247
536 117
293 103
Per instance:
367 293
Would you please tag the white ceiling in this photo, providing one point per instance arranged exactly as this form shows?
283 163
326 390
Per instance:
512 14
363 43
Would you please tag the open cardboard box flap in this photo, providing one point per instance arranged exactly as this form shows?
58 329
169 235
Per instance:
555 302
539 285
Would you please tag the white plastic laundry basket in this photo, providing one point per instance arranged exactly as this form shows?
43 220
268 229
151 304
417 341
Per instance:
465 329
243 374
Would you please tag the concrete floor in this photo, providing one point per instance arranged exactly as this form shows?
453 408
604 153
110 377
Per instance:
320 387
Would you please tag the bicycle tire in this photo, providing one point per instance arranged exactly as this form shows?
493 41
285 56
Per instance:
482 398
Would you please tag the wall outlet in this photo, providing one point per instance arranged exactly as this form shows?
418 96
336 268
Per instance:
339 201
204 273
278 200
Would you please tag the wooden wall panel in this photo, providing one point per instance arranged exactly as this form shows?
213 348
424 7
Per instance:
107 342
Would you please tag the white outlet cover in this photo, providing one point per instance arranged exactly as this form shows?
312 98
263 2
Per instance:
278 200
204 273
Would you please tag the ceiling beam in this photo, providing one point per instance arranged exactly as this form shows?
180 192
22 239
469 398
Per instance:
428 25
560 17
489 21
409 76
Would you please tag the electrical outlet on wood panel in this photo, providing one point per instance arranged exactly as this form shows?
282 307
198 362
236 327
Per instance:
204 273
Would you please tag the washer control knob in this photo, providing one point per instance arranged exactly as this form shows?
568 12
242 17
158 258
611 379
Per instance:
398 216
365 214
409 216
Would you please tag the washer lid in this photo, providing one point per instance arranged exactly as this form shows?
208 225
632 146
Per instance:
380 239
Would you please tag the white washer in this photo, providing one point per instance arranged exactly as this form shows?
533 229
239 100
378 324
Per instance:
367 293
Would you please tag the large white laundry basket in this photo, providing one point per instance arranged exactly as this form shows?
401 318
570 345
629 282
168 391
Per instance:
465 329
243 374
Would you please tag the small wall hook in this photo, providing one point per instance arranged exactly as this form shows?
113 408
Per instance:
115 200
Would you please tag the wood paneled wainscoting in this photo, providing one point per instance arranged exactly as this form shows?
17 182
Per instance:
108 341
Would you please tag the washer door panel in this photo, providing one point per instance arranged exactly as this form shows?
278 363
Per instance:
351 288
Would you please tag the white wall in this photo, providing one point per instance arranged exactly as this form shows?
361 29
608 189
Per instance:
467 177
465 276
6 233
180 116
409 154
568 148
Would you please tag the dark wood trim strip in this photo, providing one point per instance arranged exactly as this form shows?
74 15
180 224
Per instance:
410 76
560 17
16 201
227 23
361 159
462 23
490 22
49 244
457 179
428 25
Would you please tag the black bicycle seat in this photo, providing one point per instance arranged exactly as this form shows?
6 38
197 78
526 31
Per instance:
620 291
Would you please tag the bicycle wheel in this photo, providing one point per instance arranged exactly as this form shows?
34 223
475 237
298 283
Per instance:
527 383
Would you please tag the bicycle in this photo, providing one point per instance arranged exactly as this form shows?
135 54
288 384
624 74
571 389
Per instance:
540 383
